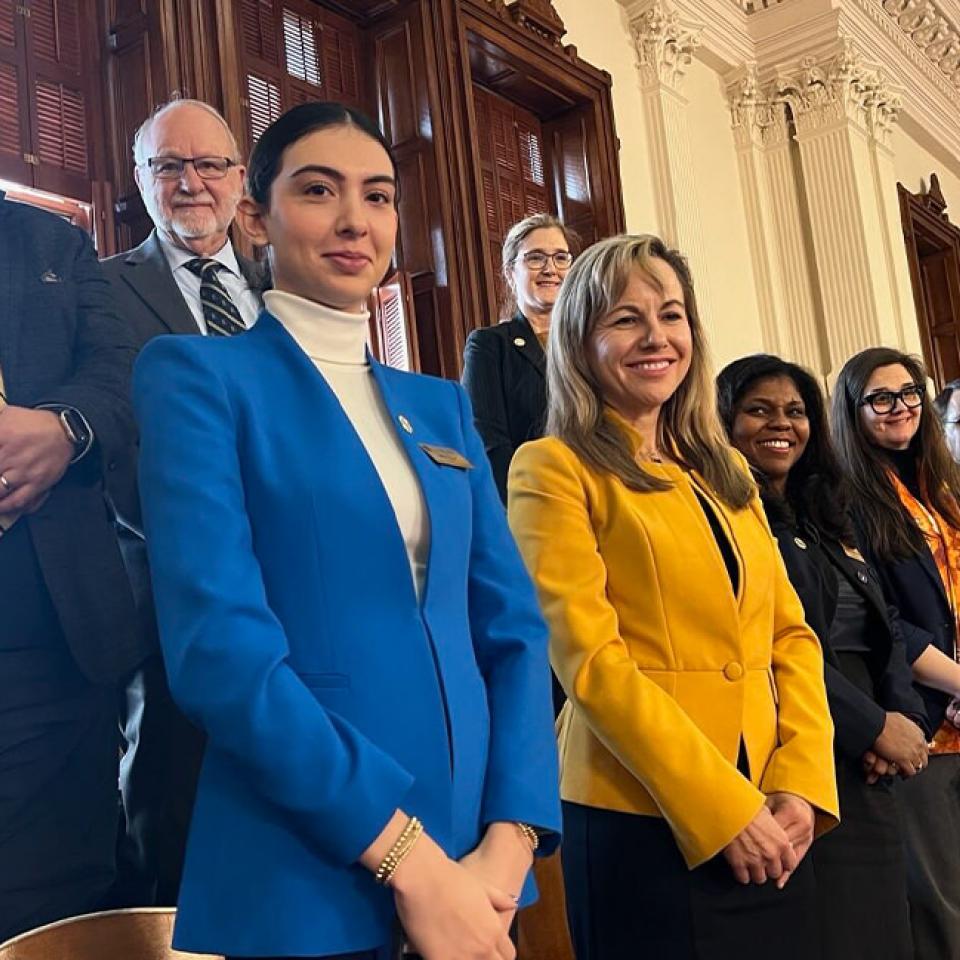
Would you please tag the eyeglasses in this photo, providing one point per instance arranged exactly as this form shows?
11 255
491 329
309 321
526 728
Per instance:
171 168
537 260
885 401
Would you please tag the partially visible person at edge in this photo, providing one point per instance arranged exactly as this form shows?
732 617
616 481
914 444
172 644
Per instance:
504 366
947 405
902 479
696 742
341 607
775 415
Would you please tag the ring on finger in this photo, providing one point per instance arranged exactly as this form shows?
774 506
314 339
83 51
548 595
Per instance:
5 483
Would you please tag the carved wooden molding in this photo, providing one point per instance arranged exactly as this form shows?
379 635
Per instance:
933 199
537 16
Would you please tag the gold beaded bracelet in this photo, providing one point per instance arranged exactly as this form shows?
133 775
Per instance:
399 851
530 835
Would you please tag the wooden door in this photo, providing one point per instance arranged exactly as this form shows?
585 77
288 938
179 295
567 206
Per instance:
933 254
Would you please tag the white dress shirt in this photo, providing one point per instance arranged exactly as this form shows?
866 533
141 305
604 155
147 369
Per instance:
336 342
232 279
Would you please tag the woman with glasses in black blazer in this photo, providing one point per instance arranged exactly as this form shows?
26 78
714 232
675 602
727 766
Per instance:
504 366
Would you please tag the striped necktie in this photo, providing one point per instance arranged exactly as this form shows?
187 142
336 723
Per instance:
220 313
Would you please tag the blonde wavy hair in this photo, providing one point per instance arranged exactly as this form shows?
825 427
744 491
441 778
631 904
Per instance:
689 424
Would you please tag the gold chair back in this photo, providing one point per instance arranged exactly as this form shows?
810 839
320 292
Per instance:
141 933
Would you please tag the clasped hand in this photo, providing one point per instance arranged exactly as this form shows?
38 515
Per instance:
34 455
772 845
900 749
463 911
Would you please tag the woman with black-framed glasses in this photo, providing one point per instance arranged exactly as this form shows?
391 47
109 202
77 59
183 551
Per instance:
504 366
904 486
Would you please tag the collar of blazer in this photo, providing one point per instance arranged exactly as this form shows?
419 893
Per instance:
525 342
150 277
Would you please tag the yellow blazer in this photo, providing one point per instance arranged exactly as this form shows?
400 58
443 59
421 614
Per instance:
665 669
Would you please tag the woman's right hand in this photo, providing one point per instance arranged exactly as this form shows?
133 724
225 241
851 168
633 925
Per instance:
902 742
446 912
761 851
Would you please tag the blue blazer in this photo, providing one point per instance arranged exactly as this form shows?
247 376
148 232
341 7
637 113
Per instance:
293 635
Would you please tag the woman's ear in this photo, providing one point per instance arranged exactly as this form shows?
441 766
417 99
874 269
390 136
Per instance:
250 218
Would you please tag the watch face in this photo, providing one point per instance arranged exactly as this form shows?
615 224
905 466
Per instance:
75 427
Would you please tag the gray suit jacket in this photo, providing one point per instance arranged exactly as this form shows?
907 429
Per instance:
150 303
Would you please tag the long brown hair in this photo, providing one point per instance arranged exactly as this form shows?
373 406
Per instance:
888 528
688 425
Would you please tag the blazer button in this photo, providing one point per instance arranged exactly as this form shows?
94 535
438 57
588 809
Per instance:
862 577
733 671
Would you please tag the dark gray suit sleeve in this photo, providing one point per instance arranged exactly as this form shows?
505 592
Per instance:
102 356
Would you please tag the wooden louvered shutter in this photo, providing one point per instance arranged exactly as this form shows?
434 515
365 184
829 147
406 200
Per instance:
60 98
394 342
571 161
14 116
512 172
295 52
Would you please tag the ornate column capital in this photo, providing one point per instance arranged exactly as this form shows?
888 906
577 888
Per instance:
843 88
664 44
759 116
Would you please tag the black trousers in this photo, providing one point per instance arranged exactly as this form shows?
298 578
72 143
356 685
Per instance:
930 811
59 751
860 865
161 763
630 896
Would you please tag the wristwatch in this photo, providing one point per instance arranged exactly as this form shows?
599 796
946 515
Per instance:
77 429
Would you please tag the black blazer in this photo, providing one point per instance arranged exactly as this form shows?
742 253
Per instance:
813 565
504 372
914 587
62 342
151 304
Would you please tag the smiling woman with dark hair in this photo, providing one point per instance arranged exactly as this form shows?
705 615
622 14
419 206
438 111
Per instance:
775 414
341 606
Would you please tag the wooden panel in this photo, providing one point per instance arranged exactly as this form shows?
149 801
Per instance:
399 90
572 176
259 23
340 61
7 23
55 26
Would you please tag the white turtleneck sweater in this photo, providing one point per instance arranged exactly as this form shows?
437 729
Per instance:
336 342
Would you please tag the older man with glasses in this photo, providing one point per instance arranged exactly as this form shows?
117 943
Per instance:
186 277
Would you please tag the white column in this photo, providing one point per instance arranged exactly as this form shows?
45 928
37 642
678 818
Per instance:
665 47
842 110
791 318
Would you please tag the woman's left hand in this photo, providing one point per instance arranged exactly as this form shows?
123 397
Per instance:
502 860
796 816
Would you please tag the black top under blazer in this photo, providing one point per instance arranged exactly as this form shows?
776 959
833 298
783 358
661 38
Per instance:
504 373
914 587
62 342
813 564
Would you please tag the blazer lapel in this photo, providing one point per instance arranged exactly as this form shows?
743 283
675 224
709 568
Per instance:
148 274
930 567
525 341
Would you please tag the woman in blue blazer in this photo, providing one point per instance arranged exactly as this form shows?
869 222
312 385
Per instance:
341 606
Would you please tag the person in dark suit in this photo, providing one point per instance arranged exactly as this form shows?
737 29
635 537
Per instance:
68 630
185 278
905 484
504 366
775 415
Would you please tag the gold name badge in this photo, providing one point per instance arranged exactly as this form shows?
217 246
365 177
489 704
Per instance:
446 456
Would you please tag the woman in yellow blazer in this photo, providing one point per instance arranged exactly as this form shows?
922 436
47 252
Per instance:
696 744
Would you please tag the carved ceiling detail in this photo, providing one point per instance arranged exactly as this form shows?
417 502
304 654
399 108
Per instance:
931 31
538 16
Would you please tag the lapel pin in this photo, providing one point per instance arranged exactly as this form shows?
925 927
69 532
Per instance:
405 423
519 342
48 276
800 543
